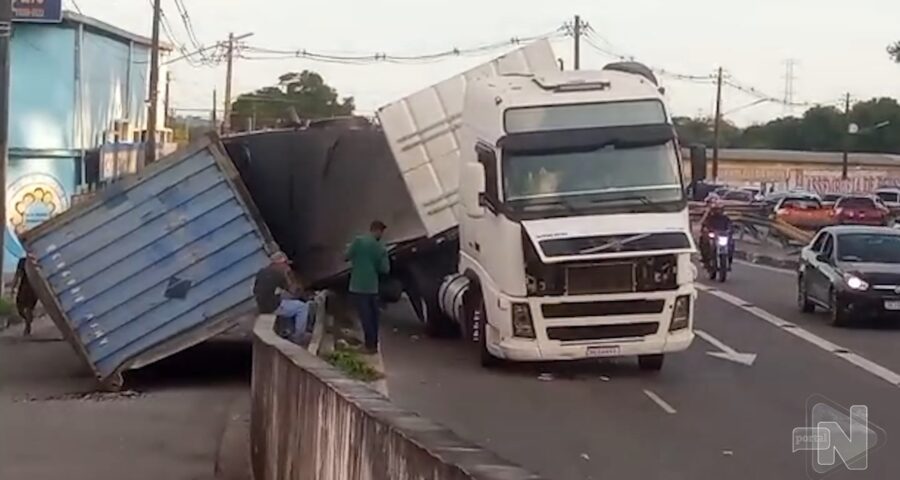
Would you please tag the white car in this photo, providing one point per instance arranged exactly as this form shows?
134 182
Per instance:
890 196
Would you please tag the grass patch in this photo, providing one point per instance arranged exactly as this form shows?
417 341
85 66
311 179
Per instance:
7 307
353 365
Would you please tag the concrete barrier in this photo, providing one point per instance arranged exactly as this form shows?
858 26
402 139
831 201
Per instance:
310 422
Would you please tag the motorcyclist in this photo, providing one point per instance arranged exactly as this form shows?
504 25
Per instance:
716 221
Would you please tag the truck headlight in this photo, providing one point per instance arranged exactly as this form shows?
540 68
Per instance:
855 282
681 313
521 321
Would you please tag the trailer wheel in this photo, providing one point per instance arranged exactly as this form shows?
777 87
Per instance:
423 293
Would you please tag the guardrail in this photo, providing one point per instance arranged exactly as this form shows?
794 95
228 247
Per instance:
310 422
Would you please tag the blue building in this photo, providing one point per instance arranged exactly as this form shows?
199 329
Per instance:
77 85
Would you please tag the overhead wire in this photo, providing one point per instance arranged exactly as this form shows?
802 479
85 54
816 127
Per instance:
262 53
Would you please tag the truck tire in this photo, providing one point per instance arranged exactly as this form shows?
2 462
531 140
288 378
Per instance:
423 293
476 326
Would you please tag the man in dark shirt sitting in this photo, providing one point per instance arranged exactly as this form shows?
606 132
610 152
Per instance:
276 293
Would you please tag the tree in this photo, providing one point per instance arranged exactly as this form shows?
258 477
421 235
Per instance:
820 128
702 130
305 94
894 51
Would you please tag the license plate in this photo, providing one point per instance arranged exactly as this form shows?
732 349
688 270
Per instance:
610 350
892 304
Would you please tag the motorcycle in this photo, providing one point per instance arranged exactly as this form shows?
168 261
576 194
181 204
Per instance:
718 261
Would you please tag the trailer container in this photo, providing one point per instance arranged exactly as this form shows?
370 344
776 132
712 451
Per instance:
153 264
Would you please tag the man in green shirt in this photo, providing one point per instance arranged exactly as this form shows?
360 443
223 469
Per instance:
368 259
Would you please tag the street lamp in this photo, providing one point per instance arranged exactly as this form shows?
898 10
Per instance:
853 129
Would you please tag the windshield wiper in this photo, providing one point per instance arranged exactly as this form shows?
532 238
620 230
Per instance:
568 205
641 198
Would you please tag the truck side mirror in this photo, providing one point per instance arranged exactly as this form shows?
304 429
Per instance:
472 189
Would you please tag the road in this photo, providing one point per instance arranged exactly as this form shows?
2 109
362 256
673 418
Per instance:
171 424
701 417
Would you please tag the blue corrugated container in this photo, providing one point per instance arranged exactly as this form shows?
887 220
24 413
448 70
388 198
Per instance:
154 264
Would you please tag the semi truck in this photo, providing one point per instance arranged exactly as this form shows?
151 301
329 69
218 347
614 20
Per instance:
539 214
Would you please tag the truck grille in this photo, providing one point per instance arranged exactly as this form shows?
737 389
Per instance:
607 278
635 242
601 332
597 309
627 275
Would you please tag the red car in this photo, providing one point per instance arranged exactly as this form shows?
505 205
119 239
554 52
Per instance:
860 210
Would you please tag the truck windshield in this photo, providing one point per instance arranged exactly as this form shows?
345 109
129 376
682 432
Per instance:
645 174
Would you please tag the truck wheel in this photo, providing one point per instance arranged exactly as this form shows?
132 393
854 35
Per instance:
476 325
425 302
651 362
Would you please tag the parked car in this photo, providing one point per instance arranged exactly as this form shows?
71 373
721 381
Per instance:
851 271
829 199
890 196
861 210
804 212
756 192
772 199
737 197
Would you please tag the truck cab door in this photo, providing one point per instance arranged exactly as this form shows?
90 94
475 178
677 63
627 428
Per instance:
480 199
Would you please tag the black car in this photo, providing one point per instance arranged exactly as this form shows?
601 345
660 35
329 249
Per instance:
851 271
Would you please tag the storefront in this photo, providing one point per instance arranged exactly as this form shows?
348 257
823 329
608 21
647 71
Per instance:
76 85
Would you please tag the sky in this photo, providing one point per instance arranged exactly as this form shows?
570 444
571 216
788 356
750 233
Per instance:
836 46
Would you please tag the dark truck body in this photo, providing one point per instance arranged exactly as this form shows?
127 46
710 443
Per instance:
317 188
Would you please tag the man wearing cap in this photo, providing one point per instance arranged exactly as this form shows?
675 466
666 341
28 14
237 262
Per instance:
368 259
276 293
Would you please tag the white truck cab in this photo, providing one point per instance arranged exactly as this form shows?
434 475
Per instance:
574 235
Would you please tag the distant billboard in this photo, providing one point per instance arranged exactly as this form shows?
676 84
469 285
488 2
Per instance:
37 11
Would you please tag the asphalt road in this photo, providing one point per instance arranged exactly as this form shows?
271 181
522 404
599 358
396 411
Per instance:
170 423
701 417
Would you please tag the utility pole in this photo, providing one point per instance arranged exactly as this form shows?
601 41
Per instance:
5 35
226 121
577 35
717 127
215 123
846 142
166 99
789 78
150 153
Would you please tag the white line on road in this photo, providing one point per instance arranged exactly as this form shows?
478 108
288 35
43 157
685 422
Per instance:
659 401
844 353
783 271
726 353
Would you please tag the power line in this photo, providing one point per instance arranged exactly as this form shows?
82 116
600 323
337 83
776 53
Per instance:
262 53
744 107
189 26
661 71
77 8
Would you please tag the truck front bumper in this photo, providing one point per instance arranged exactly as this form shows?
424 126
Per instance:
560 336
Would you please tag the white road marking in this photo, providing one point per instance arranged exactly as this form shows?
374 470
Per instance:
841 352
726 353
783 271
659 401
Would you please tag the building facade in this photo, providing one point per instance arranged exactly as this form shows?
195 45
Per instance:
78 88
